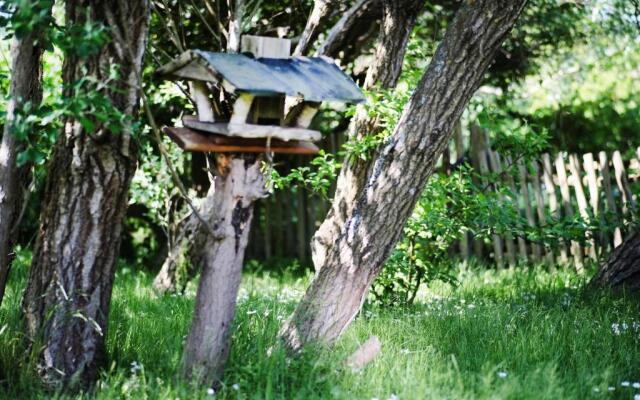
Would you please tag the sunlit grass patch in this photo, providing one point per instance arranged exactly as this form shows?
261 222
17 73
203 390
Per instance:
525 333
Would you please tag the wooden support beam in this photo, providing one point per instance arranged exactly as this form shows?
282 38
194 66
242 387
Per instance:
191 140
309 110
241 108
252 131
200 94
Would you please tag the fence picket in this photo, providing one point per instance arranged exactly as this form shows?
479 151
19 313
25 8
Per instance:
565 192
550 187
540 208
528 210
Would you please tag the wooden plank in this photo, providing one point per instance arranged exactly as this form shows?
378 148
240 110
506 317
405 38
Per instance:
590 168
261 46
621 179
190 140
536 250
581 198
592 182
565 192
550 190
309 110
241 108
510 248
497 241
252 131
605 173
477 145
522 243
540 208
200 95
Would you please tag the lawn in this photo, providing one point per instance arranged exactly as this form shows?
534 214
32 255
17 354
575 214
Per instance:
517 334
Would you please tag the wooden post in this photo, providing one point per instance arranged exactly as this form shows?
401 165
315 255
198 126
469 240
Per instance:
594 196
550 188
563 182
237 185
612 209
621 179
497 241
528 210
522 244
576 182
540 208
477 145
496 166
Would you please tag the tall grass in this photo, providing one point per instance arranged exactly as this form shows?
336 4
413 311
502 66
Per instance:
525 333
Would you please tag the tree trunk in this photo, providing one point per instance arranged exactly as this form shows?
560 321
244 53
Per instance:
621 271
375 199
184 257
26 87
321 12
238 184
353 31
66 303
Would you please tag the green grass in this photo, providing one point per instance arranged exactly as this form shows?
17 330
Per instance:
539 328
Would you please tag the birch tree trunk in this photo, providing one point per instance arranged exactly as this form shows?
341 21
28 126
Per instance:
374 199
26 87
66 302
237 185
621 271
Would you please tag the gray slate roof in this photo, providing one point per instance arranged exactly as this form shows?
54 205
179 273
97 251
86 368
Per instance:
313 78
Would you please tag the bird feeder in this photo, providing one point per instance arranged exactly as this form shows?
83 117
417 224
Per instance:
258 87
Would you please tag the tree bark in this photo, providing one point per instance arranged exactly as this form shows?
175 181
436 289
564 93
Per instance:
375 199
26 87
238 184
621 271
321 12
185 253
353 31
66 302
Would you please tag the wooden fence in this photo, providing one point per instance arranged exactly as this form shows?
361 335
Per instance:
559 185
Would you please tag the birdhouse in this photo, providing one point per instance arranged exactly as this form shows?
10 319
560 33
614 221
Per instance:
259 86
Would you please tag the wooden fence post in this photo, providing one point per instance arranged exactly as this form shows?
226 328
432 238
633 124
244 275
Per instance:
496 166
594 196
612 209
576 181
550 188
540 208
563 182
531 221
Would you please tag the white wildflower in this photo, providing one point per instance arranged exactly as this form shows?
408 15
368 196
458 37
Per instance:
235 386
251 312
211 392
615 328
625 383
135 367
636 397
502 374
636 385
596 390
404 351
611 388
393 397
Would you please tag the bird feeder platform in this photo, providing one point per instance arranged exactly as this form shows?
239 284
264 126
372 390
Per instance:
194 141
272 100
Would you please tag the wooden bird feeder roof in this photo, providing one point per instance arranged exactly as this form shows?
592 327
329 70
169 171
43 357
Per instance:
314 79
